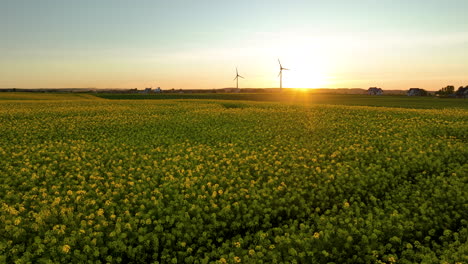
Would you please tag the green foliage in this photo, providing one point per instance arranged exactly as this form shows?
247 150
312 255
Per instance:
446 90
176 181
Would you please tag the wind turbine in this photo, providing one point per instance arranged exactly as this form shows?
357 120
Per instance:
237 78
281 74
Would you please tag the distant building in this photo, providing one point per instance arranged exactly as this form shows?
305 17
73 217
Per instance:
150 90
416 92
374 91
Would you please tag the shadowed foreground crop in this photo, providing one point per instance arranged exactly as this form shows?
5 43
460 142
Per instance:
192 181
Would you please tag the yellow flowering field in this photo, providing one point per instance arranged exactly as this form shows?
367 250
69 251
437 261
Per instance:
213 181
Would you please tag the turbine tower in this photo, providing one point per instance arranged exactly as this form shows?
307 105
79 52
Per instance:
281 75
237 78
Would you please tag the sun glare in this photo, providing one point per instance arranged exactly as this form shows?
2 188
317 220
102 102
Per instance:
307 64
307 78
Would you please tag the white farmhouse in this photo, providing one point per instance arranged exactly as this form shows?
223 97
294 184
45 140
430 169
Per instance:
374 91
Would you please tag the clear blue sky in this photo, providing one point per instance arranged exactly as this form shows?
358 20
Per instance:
197 44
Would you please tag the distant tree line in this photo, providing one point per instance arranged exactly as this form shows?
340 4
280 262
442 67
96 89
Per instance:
449 91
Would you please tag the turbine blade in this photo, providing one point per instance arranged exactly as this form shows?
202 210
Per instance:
237 73
235 78
241 77
285 69
279 74
280 63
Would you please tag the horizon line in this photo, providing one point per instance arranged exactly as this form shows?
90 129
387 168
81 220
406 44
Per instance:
173 88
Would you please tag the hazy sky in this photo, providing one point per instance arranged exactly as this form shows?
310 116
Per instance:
393 44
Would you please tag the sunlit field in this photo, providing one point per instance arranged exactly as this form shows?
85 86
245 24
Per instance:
308 98
325 179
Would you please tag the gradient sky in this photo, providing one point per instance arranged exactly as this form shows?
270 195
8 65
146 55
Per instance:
393 44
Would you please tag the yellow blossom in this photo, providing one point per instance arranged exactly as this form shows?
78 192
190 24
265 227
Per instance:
66 248
100 212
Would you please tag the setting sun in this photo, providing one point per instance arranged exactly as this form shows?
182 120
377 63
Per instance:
305 78
304 72
307 60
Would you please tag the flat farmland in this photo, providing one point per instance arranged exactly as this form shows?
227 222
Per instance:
209 180
307 98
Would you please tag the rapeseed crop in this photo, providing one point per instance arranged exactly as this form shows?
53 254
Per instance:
188 181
